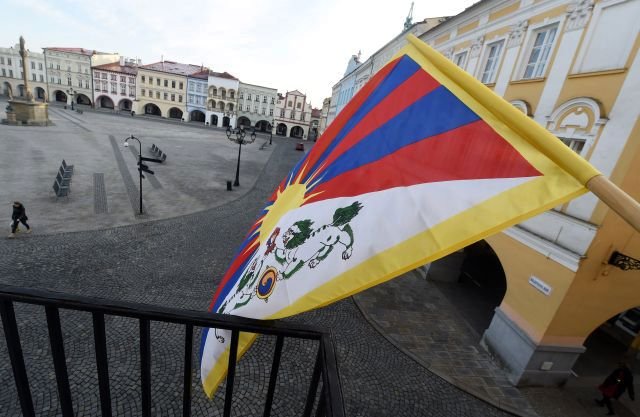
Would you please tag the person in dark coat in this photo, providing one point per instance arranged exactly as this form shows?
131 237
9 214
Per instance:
620 380
19 216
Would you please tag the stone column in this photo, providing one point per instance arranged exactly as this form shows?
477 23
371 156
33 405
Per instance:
25 69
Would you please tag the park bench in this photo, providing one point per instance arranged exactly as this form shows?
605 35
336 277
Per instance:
158 153
60 190
66 167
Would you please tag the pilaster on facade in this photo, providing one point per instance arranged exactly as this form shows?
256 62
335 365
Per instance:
578 14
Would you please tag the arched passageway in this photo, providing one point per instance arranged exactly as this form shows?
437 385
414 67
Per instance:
105 102
226 121
60 96
6 89
281 130
197 116
214 120
474 281
152 110
84 100
21 90
39 94
175 113
263 126
244 121
297 132
125 104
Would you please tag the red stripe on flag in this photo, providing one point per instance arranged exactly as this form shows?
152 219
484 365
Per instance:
473 151
334 128
414 88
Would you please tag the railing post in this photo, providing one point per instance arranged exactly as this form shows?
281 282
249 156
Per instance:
231 373
12 337
313 388
145 366
188 355
59 360
102 363
331 387
274 376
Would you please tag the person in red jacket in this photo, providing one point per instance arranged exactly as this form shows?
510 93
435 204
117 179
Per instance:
19 215
620 380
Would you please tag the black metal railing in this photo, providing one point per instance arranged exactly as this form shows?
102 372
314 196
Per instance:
330 402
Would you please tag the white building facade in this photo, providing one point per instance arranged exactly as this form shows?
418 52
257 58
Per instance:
257 106
69 73
11 80
293 115
222 99
114 85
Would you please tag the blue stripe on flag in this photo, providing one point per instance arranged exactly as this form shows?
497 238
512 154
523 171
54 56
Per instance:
403 70
436 113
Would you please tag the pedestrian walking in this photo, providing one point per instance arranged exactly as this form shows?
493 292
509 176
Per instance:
620 380
19 215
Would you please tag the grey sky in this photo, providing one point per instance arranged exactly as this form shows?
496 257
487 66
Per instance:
285 44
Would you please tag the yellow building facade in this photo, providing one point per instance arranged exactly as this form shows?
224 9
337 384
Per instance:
161 89
574 67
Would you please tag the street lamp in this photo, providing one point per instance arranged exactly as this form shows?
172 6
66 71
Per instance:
239 139
271 132
71 92
126 145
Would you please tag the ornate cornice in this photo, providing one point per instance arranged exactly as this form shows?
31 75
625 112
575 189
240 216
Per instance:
476 46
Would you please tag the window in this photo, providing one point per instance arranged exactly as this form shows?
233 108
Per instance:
255 109
33 77
68 80
576 145
123 89
86 84
264 111
173 84
173 97
166 96
40 66
123 79
166 83
143 91
257 97
180 99
232 94
41 78
290 103
282 113
264 99
158 95
248 107
4 74
460 59
80 83
248 96
158 81
540 53
1 60
132 80
59 80
241 94
292 115
113 77
273 100
57 65
9 62
298 105
103 76
181 85
144 80
491 64
114 88
302 117
270 112
33 65
191 87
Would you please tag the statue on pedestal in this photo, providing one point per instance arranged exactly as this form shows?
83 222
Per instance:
25 76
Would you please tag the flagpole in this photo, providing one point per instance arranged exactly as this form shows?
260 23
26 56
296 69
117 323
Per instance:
610 194
619 201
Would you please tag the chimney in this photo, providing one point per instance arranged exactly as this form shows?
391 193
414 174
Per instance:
121 61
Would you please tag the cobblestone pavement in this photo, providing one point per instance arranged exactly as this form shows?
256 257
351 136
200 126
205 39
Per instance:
176 263
415 316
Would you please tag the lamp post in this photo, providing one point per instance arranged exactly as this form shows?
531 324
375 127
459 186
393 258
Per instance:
271 132
126 145
239 139
71 92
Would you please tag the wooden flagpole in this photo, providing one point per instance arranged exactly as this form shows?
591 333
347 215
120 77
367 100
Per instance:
619 201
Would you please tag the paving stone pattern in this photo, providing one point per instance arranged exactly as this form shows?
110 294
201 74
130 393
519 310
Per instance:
100 194
177 263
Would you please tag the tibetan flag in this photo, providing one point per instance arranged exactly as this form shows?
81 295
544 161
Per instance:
423 161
